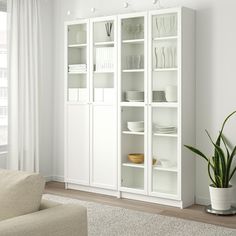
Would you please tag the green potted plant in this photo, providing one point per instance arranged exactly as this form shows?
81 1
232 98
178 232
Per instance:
220 169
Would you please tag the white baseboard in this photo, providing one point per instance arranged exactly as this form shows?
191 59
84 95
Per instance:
48 178
54 178
202 201
58 178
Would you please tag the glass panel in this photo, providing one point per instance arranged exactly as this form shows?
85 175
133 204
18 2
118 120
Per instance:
77 63
3 79
103 61
132 147
132 60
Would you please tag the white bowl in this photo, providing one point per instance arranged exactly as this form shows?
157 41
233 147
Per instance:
134 96
135 126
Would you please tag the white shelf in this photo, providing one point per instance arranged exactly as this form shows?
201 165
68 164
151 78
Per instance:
104 43
77 73
103 103
165 104
165 69
133 41
132 104
103 72
171 135
76 103
133 133
169 169
165 38
77 45
129 164
133 70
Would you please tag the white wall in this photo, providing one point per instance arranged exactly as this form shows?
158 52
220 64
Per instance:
215 68
46 89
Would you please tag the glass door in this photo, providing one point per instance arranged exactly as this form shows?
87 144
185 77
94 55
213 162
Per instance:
164 100
133 111
77 59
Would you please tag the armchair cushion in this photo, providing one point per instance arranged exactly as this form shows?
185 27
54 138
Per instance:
20 193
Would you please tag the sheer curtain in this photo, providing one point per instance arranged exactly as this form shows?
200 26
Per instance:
23 74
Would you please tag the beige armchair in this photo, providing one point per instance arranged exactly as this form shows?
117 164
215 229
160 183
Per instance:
51 220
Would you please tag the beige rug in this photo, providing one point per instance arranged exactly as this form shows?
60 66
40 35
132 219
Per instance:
106 220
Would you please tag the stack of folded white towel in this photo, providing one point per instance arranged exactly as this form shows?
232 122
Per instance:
77 68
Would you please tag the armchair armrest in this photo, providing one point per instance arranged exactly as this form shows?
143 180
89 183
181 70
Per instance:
60 220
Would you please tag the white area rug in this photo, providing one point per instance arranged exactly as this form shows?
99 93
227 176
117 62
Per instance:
106 220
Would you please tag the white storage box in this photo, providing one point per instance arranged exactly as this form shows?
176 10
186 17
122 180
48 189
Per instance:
98 95
73 94
109 94
83 94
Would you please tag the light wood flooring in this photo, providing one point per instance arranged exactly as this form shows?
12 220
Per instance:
195 212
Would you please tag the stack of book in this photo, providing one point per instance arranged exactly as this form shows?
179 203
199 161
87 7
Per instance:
105 59
78 68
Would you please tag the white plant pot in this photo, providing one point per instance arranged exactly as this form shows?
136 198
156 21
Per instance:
221 198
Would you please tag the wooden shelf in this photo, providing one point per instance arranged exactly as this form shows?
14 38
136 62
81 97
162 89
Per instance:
133 165
133 41
171 135
77 45
165 69
165 38
165 104
104 43
132 133
133 71
169 169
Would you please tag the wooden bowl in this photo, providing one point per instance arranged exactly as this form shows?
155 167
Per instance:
137 158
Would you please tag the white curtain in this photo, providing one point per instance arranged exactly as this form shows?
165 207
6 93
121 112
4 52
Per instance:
23 64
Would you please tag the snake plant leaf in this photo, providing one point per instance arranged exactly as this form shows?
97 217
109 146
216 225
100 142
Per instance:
226 147
196 151
229 164
222 162
226 119
209 173
232 174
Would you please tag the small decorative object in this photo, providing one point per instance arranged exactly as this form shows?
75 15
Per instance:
125 4
154 161
220 170
171 93
135 126
137 158
108 27
158 96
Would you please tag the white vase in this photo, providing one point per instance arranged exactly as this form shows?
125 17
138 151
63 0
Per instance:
221 198
171 93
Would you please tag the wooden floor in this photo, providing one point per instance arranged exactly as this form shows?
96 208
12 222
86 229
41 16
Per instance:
195 212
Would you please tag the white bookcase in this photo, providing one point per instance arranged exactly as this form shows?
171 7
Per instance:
149 52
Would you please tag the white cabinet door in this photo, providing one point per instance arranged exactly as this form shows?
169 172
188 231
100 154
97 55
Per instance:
78 144
104 151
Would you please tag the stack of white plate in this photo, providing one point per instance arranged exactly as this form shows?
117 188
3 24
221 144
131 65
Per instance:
165 129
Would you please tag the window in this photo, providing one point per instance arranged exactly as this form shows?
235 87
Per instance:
3 79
